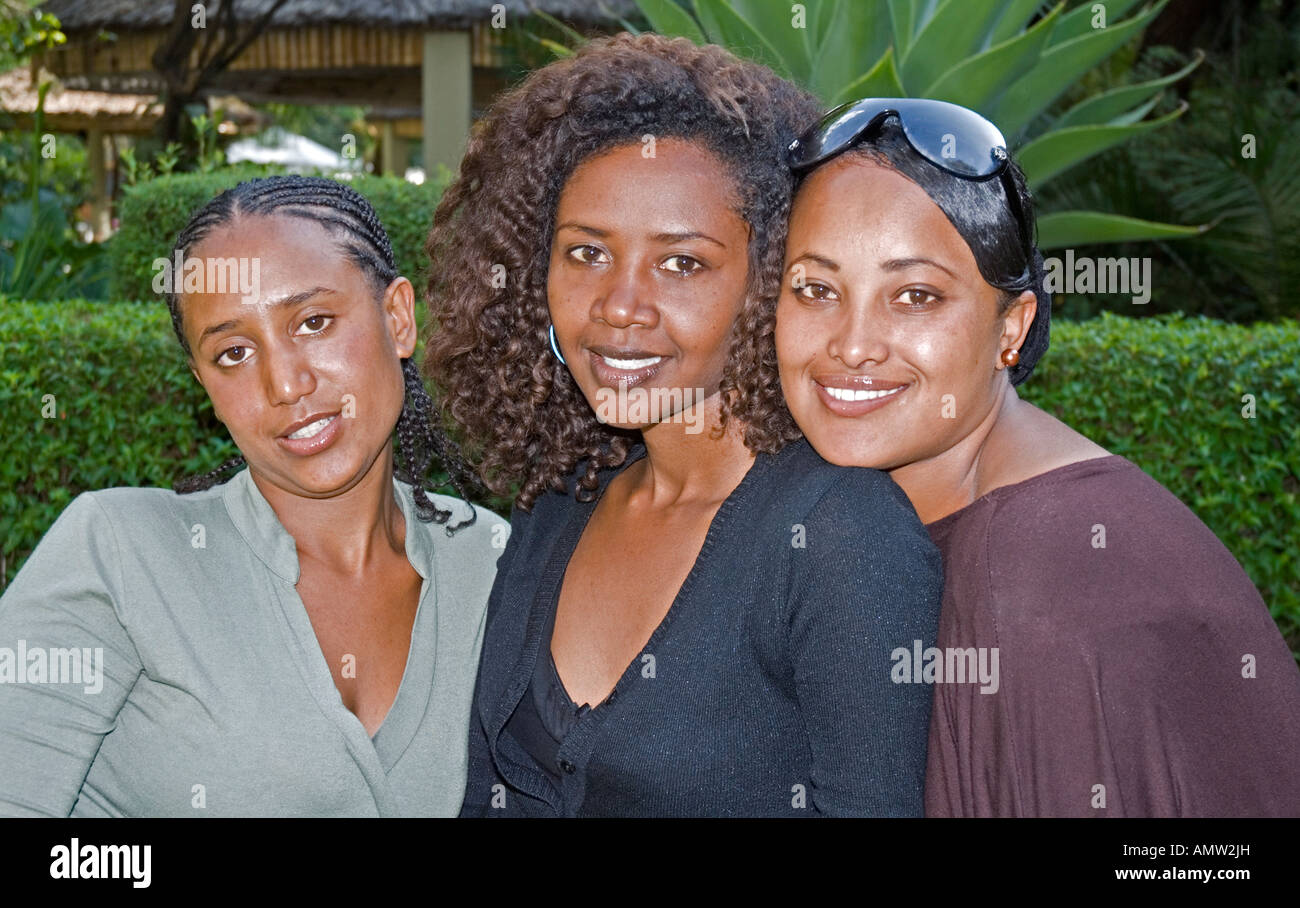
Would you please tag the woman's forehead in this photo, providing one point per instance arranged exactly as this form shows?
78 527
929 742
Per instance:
680 183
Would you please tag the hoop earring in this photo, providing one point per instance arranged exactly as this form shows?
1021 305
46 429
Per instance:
555 348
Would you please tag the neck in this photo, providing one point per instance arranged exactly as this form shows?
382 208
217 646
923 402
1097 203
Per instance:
693 467
953 479
347 532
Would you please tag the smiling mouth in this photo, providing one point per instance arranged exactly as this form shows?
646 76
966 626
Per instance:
854 396
630 365
625 367
857 394
314 429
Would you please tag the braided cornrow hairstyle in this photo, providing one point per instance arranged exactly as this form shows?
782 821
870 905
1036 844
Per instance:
345 212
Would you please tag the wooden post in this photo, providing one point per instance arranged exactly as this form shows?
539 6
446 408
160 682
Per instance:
445 98
388 162
401 153
100 221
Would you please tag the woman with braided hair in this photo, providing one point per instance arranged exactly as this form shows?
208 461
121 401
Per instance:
301 639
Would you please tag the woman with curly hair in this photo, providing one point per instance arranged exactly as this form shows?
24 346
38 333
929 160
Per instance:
679 625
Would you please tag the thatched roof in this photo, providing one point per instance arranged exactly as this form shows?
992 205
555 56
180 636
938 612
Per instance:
81 15
67 110
73 110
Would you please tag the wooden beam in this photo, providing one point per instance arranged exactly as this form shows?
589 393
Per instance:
81 123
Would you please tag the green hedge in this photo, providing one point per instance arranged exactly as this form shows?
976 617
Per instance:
1164 392
151 214
1167 393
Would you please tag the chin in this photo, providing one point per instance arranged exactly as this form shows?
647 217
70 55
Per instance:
324 479
846 451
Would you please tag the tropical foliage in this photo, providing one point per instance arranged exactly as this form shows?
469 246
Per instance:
1011 60
1233 162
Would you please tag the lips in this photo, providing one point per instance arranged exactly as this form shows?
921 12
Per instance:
307 424
859 393
310 435
631 364
856 395
624 365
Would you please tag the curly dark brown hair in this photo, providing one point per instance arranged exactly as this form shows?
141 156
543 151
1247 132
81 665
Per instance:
487 350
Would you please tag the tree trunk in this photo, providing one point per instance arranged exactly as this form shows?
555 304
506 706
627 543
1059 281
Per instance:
188 58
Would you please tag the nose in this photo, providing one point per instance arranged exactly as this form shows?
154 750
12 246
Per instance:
859 338
287 373
625 298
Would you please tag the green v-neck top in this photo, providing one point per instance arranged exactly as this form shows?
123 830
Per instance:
156 660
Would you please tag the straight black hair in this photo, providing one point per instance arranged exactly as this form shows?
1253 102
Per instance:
985 218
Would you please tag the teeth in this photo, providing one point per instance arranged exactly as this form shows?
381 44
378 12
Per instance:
313 429
629 365
848 394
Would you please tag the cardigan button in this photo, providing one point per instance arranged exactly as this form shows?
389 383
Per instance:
567 767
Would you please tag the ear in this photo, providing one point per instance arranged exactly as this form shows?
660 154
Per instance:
399 314
1015 324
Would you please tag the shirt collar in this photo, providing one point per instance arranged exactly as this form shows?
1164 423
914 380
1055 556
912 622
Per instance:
262 531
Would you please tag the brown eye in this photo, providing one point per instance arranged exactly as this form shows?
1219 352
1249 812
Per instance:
813 291
233 356
916 298
316 324
588 255
682 264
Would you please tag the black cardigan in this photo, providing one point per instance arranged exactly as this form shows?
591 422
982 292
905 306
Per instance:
765 691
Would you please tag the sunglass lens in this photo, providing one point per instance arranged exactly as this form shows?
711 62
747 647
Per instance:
952 137
833 133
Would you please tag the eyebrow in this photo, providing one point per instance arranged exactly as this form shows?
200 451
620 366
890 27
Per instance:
903 264
891 265
676 236
685 236
818 260
291 300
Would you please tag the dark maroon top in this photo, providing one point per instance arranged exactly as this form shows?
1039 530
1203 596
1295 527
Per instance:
1142 678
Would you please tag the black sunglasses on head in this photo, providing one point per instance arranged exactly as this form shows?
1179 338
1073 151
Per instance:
949 136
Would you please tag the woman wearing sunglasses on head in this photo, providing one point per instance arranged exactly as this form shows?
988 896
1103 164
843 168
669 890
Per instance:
679 626
299 640
913 304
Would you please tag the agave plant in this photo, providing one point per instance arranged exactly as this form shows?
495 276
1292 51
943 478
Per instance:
1011 60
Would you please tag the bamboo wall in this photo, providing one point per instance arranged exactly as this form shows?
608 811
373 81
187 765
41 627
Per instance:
324 47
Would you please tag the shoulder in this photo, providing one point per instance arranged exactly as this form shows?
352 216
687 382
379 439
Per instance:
847 554
478 530
130 510
461 565
1099 543
1102 499
488 528
101 535
799 482
844 526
